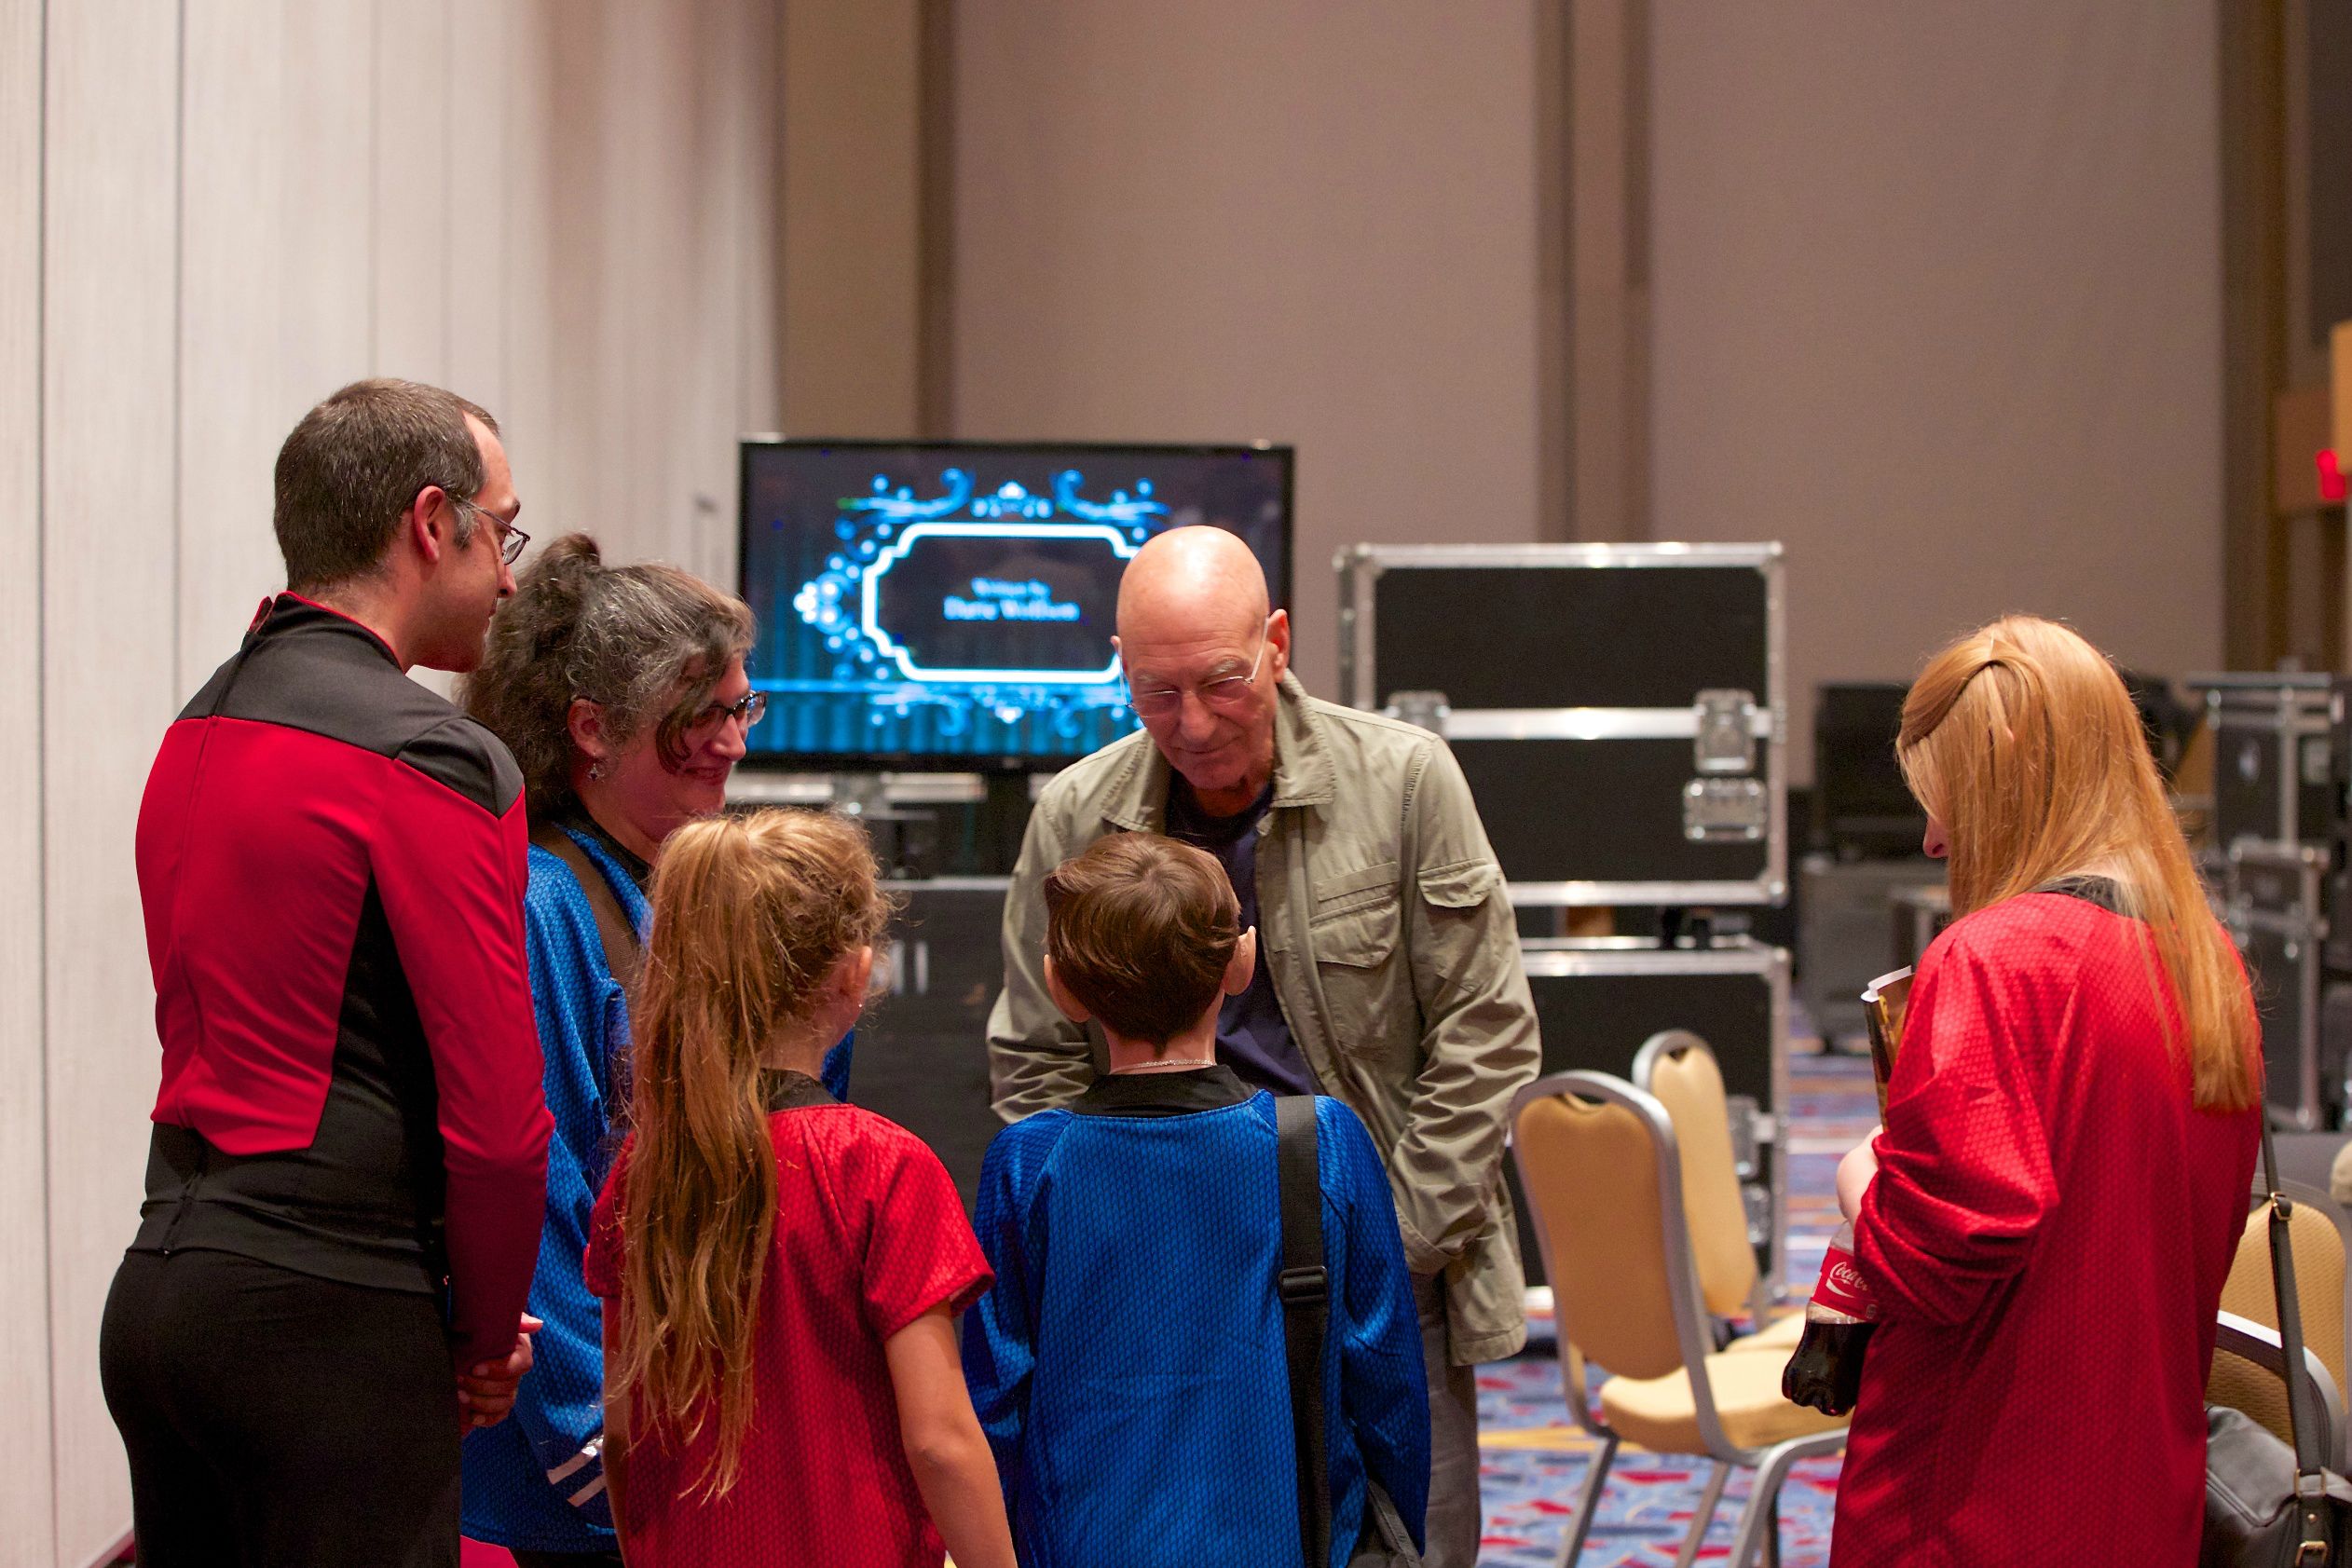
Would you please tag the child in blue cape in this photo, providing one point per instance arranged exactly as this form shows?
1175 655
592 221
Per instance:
1128 1364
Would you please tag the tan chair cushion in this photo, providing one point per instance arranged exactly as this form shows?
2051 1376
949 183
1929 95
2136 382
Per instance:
2319 1249
1778 1338
1690 1087
1657 1412
1589 1171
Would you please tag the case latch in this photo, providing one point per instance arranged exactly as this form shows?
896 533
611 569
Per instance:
1724 811
1424 710
1726 741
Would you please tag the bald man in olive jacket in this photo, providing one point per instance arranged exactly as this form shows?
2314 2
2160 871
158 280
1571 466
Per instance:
1388 957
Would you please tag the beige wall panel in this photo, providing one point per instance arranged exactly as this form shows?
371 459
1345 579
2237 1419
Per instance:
1228 220
1937 302
28 1538
755 148
107 576
853 231
585 352
528 414
275 280
233 272
326 214
657 84
566 209
633 339
416 225
475 257
736 111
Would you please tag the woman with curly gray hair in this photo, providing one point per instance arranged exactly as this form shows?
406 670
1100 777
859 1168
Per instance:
621 692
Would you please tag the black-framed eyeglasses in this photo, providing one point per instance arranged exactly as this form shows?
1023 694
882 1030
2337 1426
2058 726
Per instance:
510 538
750 708
1230 694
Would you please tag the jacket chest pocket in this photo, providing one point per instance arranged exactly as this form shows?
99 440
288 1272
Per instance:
1354 940
1356 920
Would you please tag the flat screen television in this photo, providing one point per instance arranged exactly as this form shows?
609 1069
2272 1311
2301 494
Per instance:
950 605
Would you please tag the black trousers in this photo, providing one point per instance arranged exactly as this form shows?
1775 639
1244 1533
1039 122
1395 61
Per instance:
275 1420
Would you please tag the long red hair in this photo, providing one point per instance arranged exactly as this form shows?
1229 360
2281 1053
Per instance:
751 914
2020 738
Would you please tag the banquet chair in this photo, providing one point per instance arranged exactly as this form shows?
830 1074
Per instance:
2240 1380
1599 1164
1678 1068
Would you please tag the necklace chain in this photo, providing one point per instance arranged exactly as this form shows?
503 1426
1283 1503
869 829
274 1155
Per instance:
1167 1064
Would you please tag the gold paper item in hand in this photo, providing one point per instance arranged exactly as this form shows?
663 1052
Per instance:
1882 1003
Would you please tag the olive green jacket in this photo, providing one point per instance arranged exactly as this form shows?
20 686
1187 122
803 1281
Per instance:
1393 953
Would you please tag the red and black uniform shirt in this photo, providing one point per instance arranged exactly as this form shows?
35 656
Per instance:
331 861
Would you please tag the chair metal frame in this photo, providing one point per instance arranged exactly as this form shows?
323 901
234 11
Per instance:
2259 1343
1693 1336
1680 1043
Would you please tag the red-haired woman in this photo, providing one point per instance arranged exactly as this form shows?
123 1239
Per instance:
2047 1217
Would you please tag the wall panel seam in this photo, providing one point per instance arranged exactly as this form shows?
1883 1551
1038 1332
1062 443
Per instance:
374 173
449 267
178 343
40 741
505 291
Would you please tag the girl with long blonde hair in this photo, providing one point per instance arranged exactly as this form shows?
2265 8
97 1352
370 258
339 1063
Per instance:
2047 1219
781 1272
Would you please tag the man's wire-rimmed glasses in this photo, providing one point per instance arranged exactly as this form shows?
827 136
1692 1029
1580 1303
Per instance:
510 538
1227 694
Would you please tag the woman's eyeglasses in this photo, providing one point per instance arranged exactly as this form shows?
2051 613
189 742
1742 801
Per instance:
751 708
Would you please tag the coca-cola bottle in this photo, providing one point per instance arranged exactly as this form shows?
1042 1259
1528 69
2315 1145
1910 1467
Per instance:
1826 1373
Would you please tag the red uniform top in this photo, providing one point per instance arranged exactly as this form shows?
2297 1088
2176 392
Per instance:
332 863
2047 1240
869 1235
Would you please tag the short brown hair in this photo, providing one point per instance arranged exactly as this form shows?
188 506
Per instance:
354 464
646 642
1140 929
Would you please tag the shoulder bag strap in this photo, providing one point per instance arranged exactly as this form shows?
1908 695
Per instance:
612 926
1306 1313
2304 1420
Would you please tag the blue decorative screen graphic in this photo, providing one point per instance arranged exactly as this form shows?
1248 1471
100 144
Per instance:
945 606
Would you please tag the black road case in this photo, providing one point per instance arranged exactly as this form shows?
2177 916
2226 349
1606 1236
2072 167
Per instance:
2273 910
2273 778
1618 709
1845 938
1598 1000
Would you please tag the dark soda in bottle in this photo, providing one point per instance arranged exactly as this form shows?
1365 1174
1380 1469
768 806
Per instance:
1826 1371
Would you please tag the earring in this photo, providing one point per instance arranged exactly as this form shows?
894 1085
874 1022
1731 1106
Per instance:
597 771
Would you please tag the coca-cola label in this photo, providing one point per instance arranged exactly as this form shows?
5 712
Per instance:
1843 1288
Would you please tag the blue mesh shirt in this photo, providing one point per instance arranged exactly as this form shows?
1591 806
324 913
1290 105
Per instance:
1129 1367
536 1479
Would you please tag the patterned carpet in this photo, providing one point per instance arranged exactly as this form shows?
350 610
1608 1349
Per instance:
1535 1456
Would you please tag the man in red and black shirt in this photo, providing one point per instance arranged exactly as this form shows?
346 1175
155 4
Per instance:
348 1166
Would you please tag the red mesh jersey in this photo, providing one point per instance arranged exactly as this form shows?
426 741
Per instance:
2047 1239
869 1235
